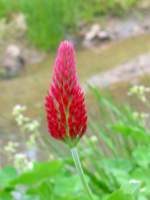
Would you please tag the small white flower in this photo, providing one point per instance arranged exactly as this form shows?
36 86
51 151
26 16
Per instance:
18 109
32 126
142 115
32 140
134 181
135 115
11 147
140 91
21 162
93 138
51 156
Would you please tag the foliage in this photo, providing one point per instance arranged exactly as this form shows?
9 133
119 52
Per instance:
120 155
47 180
115 157
49 21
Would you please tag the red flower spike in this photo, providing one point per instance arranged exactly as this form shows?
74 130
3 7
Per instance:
64 104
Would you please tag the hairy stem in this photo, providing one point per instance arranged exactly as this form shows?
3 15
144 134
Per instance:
78 165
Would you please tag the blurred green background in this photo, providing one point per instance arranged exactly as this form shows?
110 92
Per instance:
50 20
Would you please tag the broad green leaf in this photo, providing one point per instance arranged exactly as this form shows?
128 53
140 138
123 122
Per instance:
142 197
120 195
7 174
39 172
43 190
142 156
142 175
68 186
5 196
62 188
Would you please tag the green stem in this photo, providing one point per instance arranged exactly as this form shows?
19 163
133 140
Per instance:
78 165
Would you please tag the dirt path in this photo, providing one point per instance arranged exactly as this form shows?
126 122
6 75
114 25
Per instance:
129 71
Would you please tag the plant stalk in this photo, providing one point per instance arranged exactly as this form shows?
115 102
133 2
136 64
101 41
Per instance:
75 156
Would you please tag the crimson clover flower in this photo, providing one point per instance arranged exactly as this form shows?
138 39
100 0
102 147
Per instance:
64 104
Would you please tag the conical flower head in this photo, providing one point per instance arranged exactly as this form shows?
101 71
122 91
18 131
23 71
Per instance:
64 104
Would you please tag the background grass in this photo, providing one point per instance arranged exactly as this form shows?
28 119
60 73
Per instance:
49 21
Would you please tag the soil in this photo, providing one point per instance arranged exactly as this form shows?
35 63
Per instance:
127 72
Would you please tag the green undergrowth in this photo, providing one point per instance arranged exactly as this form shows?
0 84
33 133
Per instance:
115 155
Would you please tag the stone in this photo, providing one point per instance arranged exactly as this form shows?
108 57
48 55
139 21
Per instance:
103 35
13 61
93 32
95 35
